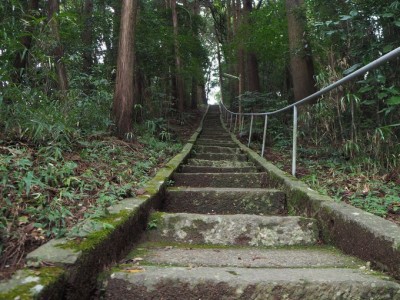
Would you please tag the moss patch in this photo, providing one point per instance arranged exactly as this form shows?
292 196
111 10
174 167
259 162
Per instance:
109 222
155 220
41 279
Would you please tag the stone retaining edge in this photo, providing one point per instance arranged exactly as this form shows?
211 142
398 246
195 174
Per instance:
67 268
353 230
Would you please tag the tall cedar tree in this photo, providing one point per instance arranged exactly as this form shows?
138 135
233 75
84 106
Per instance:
253 80
301 64
124 93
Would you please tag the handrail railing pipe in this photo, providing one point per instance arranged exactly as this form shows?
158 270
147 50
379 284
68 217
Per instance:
294 149
264 135
236 119
251 128
372 65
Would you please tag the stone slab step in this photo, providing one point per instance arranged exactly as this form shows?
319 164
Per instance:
205 169
216 149
216 141
233 230
219 163
243 283
233 180
242 257
225 201
215 127
215 136
220 156
208 142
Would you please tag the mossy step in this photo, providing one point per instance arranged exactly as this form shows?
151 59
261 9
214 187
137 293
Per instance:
213 136
192 283
215 139
210 142
214 129
225 201
234 180
205 169
242 257
216 149
220 156
233 230
218 163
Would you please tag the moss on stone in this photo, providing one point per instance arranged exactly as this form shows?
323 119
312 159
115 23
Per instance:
110 222
155 220
46 276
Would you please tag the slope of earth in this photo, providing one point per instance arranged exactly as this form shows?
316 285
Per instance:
45 190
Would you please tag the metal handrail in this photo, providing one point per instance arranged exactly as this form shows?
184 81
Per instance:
372 65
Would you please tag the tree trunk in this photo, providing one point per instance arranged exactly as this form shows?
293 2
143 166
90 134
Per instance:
21 58
178 64
123 97
241 67
112 52
194 98
253 79
87 37
301 64
58 51
219 60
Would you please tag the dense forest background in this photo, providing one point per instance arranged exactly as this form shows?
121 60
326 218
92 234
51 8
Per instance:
94 93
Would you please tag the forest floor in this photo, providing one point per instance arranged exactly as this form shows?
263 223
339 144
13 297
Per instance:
343 179
46 190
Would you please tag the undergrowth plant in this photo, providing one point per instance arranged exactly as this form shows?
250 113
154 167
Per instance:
45 190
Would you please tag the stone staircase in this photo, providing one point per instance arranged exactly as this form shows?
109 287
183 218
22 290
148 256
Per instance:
224 233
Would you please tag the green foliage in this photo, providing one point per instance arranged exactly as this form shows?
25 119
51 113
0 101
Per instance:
50 188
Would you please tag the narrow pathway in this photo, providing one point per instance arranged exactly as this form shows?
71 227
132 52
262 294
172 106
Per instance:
225 234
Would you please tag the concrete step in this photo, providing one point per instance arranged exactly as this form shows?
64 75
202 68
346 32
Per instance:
233 230
225 201
231 180
220 156
152 282
218 163
215 136
210 142
205 169
215 140
215 129
216 149
184 255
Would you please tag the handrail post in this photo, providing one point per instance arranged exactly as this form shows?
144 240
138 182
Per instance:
251 128
294 150
230 125
236 119
264 135
242 124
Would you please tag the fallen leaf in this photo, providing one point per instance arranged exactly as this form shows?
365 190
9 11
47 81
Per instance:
134 269
140 191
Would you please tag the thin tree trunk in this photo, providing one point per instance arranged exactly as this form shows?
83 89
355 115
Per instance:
220 69
124 94
58 51
194 98
87 37
301 64
178 64
21 58
241 67
113 53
